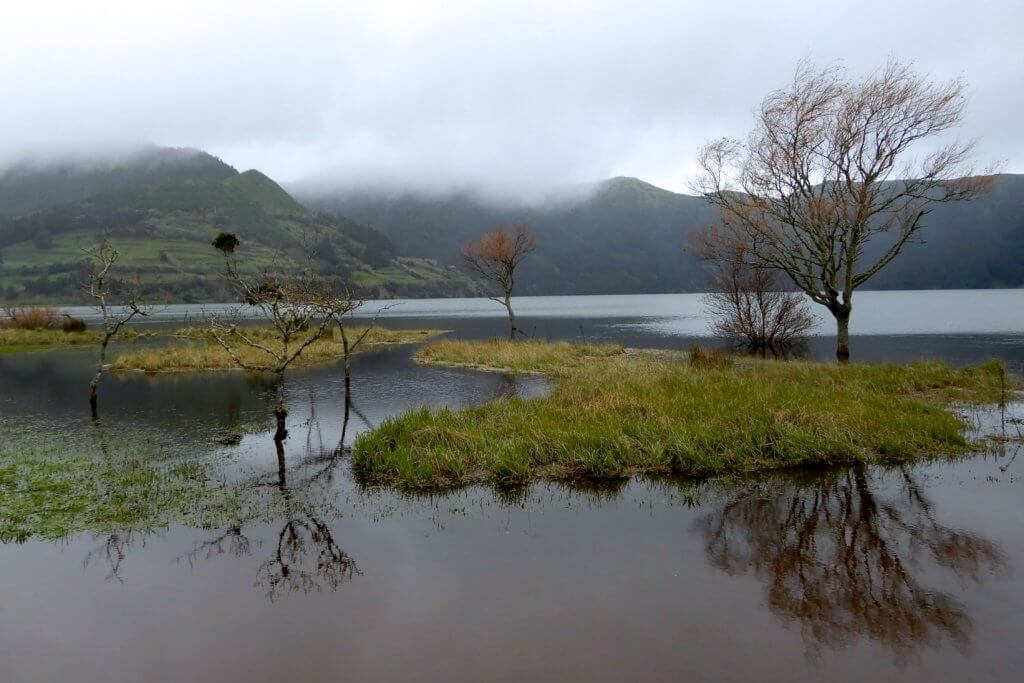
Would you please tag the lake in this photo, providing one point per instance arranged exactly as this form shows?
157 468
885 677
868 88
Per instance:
850 574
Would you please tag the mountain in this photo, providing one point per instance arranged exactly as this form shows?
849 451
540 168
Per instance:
31 186
620 236
161 208
626 236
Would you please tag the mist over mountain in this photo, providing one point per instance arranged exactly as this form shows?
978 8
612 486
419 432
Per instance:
38 183
622 236
161 207
628 236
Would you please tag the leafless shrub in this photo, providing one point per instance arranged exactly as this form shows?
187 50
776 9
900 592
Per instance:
750 306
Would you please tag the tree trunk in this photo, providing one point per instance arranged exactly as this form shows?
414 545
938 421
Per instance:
280 412
93 409
282 477
94 385
511 316
843 336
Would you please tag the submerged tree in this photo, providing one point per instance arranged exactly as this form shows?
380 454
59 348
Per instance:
832 167
752 306
494 258
300 308
114 315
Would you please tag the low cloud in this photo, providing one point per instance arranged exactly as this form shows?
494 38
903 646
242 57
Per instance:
506 99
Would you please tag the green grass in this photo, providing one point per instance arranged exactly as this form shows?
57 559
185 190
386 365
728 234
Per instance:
641 413
206 354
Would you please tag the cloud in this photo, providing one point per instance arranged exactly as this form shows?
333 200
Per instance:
516 96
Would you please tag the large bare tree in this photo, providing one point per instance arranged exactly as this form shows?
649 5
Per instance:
833 164
494 258
114 315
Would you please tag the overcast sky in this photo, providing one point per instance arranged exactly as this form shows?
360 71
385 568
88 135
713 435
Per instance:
515 95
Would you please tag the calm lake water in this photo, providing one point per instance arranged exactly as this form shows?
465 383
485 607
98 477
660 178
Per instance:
865 573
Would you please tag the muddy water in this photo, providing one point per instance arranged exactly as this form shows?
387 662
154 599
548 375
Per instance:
873 573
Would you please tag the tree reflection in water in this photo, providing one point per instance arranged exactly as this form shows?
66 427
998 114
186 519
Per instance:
305 556
845 563
113 551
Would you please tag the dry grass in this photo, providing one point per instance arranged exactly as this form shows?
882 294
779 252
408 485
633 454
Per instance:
29 318
517 356
203 353
14 340
634 413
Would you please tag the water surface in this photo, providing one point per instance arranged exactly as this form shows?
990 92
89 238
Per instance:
884 573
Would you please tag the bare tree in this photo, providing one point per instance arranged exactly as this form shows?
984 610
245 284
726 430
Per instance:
299 307
494 258
831 165
114 316
349 347
750 305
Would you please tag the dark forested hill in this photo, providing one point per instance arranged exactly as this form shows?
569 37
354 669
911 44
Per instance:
162 219
624 236
629 236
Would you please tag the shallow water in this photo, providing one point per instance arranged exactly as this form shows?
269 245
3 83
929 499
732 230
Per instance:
840 575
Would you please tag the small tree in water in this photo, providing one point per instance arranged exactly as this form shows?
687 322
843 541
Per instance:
828 169
299 307
113 316
494 259
751 305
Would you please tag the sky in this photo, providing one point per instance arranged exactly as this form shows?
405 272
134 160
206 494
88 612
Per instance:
509 97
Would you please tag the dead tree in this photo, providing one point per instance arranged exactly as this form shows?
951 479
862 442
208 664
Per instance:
494 259
114 316
299 307
752 306
349 347
833 165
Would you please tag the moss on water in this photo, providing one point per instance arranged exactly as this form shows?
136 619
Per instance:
49 495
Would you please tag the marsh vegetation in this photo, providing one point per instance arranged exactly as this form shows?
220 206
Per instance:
614 414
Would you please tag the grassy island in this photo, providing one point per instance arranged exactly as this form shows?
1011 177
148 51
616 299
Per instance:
616 413
200 351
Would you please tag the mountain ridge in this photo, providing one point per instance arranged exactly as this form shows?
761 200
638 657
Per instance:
163 218
629 236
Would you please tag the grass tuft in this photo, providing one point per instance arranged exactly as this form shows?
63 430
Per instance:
518 356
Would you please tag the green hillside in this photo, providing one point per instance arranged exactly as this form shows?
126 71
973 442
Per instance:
163 230
629 236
